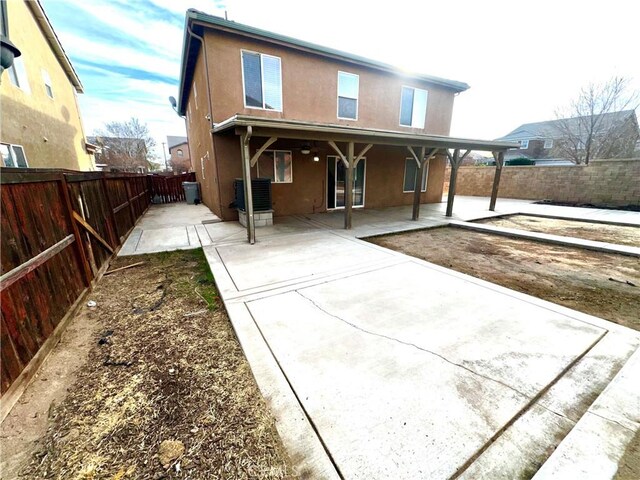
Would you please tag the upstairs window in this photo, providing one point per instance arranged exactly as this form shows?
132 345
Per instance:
13 155
18 75
262 81
411 175
348 85
276 165
413 107
524 144
180 153
47 83
548 143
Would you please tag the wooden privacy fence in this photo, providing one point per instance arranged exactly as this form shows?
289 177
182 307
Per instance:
59 229
165 189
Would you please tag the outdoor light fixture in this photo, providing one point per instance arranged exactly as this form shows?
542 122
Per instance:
305 149
316 158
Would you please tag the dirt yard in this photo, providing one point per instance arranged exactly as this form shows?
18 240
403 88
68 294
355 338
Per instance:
164 391
604 285
590 231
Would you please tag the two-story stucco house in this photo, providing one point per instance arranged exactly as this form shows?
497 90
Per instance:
315 121
40 125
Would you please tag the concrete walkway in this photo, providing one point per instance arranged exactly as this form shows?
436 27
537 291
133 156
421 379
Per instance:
173 226
379 365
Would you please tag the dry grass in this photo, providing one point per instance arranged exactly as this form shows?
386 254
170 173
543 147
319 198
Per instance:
167 366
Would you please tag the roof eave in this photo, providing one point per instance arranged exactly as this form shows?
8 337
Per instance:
441 140
53 40
210 21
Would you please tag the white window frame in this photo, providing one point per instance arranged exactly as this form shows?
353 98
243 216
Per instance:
357 98
11 147
273 153
46 79
426 107
179 153
548 143
244 95
20 72
404 177
337 159
524 144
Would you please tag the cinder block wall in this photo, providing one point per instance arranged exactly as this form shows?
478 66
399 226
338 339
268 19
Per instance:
611 182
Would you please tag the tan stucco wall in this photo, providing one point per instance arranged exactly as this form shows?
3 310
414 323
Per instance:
612 182
309 93
384 178
28 118
203 156
309 85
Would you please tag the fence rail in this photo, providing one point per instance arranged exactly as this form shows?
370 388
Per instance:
59 230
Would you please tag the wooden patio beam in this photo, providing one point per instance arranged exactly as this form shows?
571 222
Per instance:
348 186
417 189
261 150
342 156
245 138
456 160
362 154
499 157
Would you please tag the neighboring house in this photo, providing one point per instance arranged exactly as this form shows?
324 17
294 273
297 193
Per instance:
40 124
540 141
179 153
114 154
305 116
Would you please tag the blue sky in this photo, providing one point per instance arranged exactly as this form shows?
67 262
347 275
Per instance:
522 59
127 55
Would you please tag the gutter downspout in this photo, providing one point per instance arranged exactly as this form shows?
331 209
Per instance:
210 114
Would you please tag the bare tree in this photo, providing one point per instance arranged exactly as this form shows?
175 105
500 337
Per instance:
589 127
126 144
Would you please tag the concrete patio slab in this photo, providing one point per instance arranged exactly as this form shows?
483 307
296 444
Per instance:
285 258
176 215
357 339
384 409
597 443
166 227
379 365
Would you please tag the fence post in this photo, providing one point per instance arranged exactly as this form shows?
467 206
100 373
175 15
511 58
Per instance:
79 248
131 212
115 236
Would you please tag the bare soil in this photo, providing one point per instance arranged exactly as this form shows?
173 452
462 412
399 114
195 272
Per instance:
600 232
164 364
600 284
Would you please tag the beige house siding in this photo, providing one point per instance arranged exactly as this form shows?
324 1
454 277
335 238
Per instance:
50 130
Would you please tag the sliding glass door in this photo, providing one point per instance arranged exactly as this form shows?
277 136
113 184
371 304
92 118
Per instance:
336 173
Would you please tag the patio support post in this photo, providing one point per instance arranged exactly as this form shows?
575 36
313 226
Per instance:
348 186
456 161
422 161
246 176
499 157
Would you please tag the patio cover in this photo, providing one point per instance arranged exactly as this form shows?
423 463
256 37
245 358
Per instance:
422 148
